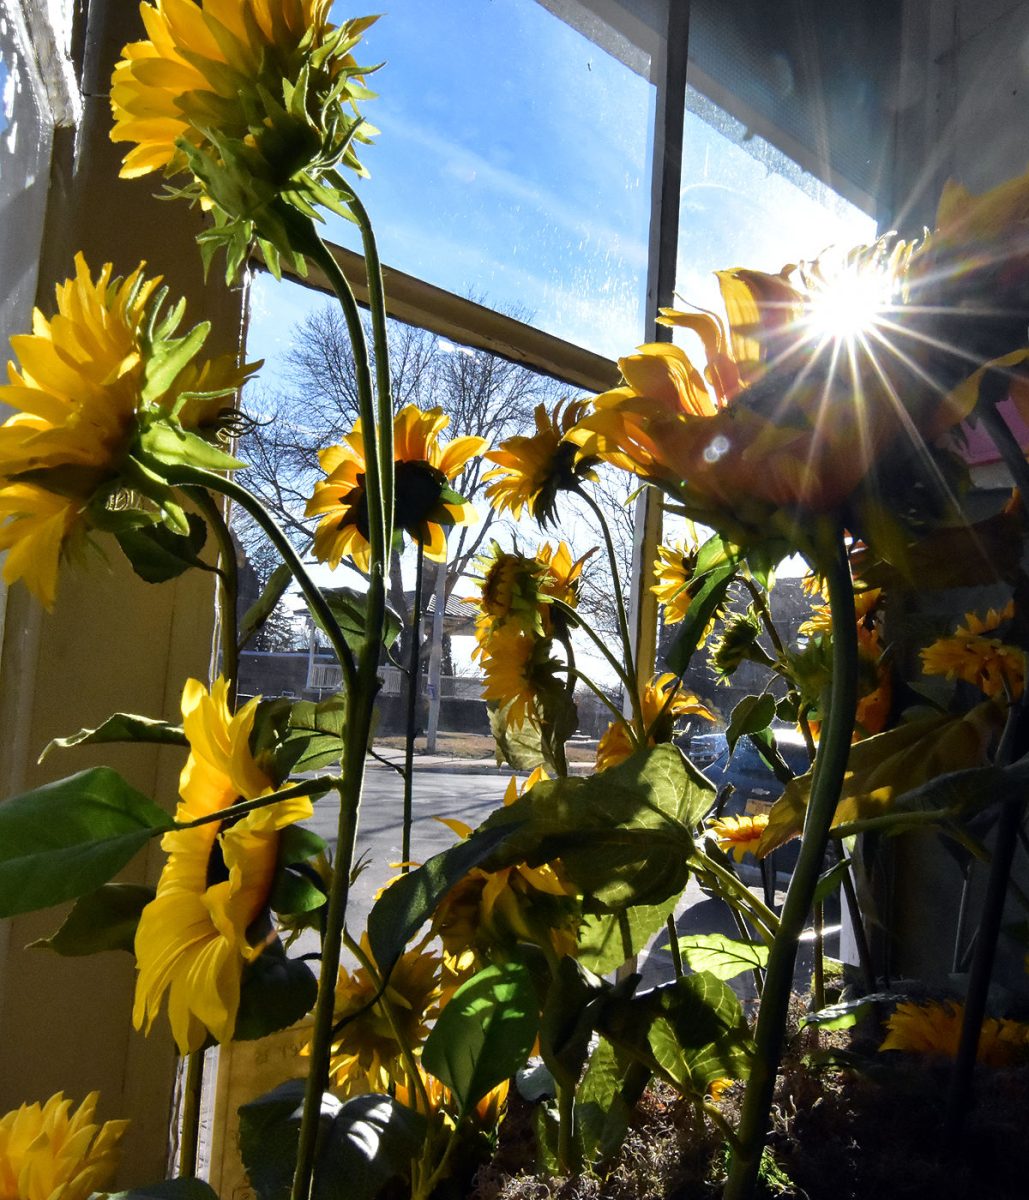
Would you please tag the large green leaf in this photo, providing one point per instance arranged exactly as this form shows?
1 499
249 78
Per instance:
158 553
689 1032
605 1101
882 768
276 991
315 733
751 715
104 920
408 902
371 1142
169 1189
567 1020
350 608
268 1130
606 940
67 838
175 447
623 836
122 727
721 956
485 1032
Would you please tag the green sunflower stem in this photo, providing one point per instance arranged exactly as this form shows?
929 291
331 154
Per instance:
765 922
576 621
228 590
413 677
383 385
829 768
199 477
377 429
623 616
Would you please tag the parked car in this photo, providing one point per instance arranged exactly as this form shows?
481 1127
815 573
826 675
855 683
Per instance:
706 748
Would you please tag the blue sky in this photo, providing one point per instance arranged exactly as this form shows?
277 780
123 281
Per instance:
513 164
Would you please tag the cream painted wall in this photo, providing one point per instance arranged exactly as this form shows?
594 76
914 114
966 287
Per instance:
112 643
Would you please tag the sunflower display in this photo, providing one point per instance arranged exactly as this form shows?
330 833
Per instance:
988 663
49 1152
739 836
519 589
426 505
90 382
192 941
532 468
366 1054
256 100
661 701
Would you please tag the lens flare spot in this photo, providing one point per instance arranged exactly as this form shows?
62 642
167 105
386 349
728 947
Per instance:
717 449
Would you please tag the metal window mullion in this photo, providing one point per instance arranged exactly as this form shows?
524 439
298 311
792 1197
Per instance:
666 184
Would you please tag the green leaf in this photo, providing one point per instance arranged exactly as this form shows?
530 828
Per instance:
606 940
122 727
705 601
721 956
169 1189
104 920
297 844
168 358
689 1032
371 1142
830 880
158 554
264 605
275 993
752 715
175 447
485 1032
66 838
567 1020
849 1012
350 608
605 1101
408 902
521 748
623 836
316 733
268 1130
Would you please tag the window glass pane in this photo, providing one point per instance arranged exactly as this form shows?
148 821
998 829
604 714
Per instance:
745 204
512 164
25 136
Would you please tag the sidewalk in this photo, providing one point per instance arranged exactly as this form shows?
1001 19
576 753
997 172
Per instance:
388 758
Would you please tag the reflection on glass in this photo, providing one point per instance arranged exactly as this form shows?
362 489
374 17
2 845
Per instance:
744 203
512 165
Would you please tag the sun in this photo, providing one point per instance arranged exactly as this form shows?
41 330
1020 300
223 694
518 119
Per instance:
846 305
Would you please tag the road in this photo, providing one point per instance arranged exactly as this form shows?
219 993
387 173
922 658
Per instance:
470 798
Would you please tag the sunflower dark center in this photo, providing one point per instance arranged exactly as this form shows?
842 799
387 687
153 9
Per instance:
217 870
418 490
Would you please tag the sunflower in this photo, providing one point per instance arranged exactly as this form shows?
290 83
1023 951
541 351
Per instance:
49 1152
988 663
366 1055
192 940
745 444
935 1028
662 700
517 667
256 99
531 469
426 505
739 835
485 910
676 585
519 589
89 380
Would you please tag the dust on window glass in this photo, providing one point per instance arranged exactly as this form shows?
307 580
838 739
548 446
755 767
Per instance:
512 165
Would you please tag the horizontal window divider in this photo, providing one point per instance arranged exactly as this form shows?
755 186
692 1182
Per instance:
465 322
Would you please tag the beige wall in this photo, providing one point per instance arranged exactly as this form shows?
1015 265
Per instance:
112 643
